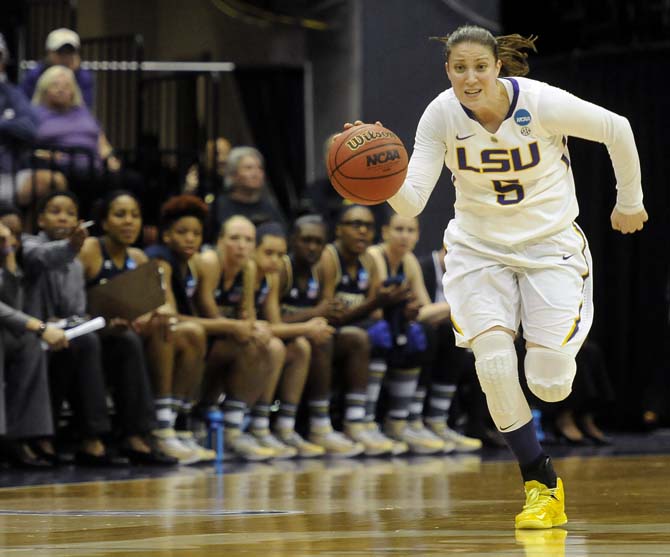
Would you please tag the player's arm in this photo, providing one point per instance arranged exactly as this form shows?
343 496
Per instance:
90 257
564 114
166 270
425 163
429 312
315 328
373 301
138 255
248 304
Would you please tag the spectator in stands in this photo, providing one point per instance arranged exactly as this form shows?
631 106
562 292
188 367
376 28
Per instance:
62 49
25 409
122 344
206 179
65 124
18 128
395 258
247 193
55 289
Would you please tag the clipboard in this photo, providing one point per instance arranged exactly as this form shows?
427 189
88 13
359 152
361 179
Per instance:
129 294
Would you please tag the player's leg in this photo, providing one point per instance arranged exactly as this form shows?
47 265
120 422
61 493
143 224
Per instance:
289 392
241 370
319 389
401 385
161 353
190 348
260 411
557 313
485 301
442 371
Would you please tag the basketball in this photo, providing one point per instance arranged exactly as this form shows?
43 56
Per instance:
367 164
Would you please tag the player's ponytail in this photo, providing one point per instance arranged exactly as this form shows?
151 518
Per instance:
511 53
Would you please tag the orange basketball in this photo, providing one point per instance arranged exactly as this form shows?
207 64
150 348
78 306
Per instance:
367 164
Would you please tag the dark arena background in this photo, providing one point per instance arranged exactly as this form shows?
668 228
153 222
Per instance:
169 79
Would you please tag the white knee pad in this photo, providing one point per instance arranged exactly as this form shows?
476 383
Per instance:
549 373
496 363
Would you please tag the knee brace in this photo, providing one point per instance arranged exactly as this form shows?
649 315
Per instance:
496 364
549 373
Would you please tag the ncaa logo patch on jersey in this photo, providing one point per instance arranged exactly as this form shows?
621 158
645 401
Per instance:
522 117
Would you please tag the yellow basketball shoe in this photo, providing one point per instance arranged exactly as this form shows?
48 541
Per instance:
544 508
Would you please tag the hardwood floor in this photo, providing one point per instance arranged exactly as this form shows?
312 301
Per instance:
420 506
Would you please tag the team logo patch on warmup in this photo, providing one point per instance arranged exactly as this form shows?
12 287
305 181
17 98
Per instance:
522 117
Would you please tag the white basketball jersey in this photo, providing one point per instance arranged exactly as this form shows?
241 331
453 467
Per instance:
516 185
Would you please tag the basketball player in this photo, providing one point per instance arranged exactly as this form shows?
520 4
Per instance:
301 299
296 339
514 253
244 348
351 276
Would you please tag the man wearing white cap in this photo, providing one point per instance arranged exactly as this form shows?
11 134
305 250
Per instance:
62 49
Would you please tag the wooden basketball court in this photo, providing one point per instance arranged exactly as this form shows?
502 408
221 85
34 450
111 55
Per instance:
419 506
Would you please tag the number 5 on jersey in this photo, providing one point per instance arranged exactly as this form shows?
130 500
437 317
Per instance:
507 189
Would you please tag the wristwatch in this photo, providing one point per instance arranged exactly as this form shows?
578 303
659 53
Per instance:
40 331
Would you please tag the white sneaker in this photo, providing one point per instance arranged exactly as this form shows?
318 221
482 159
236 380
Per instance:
167 442
244 446
269 441
462 443
335 444
293 439
417 437
374 444
187 439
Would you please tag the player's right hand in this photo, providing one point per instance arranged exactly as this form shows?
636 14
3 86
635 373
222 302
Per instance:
319 330
393 294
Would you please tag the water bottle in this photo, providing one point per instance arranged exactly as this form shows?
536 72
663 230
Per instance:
214 419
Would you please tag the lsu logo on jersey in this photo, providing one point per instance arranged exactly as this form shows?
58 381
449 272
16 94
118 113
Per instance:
500 160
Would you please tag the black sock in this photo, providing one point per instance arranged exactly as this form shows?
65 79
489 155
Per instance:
540 470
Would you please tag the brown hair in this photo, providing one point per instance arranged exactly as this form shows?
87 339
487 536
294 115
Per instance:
183 206
509 49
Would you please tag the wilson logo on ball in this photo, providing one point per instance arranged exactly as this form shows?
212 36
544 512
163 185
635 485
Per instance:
381 158
361 139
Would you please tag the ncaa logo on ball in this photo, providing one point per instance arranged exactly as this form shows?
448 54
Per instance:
522 117
381 158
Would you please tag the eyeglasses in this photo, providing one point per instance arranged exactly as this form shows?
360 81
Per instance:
359 224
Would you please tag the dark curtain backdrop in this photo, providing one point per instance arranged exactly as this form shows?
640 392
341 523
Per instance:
273 100
630 271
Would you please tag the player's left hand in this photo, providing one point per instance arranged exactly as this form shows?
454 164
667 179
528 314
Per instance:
627 224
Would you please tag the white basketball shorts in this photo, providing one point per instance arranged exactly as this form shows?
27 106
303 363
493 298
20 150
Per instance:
547 286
